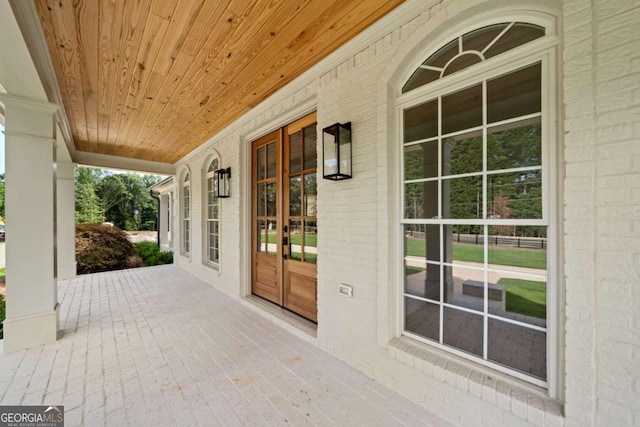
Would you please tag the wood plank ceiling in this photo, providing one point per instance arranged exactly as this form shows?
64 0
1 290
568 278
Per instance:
154 79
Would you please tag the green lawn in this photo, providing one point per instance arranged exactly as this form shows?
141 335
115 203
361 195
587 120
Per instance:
311 239
526 297
409 270
530 258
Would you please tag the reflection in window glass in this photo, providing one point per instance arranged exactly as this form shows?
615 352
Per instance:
311 241
422 256
516 94
261 236
261 199
295 196
295 240
421 121
479 39
310 157
415 196
518 246
271 160
461 62
271 198
462 198
465 287
310 194
295 152
443 55
421 160
515 145
525 352
272 246
463 330
422 241
420 78
462 154
422 318
261 163
419 279
525 298
462 110
516 36
515 195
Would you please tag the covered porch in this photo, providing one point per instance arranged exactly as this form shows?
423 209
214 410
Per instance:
157 346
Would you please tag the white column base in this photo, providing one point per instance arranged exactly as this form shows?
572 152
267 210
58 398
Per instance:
66 271
31 331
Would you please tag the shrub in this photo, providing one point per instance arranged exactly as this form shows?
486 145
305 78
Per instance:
101 248
152 255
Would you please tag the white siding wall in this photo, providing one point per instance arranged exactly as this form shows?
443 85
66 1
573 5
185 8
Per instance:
599 105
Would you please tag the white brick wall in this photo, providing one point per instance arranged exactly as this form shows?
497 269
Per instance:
602 263
599 162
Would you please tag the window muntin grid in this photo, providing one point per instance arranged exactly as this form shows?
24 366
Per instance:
212 237
186 215
466 154
471 48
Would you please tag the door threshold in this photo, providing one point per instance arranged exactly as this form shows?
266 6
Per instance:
283 315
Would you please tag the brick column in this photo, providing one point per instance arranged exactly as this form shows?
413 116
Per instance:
32 301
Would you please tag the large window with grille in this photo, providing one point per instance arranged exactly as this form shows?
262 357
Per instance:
186 214
476 224
212 237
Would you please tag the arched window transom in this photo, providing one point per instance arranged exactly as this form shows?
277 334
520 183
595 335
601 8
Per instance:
471 48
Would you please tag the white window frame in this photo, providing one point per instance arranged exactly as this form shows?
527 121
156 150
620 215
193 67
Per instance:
543 50
185 213
209 186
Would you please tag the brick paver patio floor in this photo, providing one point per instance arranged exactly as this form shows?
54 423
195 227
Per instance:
156 346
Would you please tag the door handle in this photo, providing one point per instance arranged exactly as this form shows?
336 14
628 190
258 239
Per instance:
285 241
285 256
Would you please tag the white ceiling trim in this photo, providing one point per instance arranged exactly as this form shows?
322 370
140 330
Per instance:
123 163
27 18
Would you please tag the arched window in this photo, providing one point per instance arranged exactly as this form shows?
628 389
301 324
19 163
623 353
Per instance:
186 214
477 200
212 239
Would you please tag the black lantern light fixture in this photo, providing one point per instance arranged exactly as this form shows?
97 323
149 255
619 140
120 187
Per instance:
224 184
336 148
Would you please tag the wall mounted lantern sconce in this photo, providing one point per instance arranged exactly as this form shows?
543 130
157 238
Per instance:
336 148
224 184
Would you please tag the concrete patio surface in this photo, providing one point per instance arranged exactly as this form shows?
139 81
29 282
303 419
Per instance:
156 346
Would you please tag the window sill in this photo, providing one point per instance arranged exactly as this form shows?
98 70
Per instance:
215 267
525 401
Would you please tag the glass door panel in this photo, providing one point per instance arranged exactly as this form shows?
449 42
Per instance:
285 223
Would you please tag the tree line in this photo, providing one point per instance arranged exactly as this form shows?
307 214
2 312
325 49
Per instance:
121 199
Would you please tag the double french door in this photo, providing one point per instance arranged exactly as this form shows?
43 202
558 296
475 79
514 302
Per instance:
284 209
